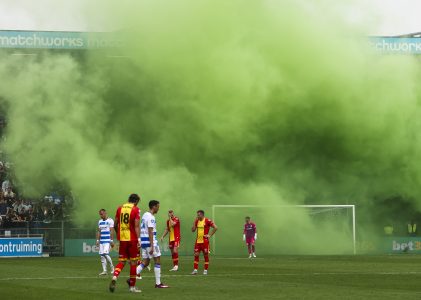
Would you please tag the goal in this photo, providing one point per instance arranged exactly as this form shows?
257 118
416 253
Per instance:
287 229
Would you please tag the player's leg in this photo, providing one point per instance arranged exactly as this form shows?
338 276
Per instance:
206 257
119 267
196 259
175 258
104 265
110 263
144 264
249 249
106 252
157 268
146 258
103 260
174 255
134 257
117 271
253 249
124 255
132 280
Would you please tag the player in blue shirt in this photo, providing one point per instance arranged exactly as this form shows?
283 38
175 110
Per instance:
104 239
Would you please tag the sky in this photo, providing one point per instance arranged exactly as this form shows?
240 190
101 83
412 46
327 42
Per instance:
381 17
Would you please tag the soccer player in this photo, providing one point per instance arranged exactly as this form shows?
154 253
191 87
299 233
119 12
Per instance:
173 228
127 220
149 243
202 225
250 236
104 239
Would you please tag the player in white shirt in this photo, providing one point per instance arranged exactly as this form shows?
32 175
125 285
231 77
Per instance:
104 239
149 243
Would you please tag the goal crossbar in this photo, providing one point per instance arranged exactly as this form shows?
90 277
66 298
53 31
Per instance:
293 206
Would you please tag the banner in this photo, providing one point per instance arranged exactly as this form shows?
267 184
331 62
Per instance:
401 245
21 247
396 45
84 247
96 40
87 247
57 40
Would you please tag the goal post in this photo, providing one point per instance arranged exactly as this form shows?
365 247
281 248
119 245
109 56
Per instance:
315 206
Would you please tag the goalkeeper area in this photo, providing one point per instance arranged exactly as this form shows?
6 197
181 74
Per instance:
287 229
275 277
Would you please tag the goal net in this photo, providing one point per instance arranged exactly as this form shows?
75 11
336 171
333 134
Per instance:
286 229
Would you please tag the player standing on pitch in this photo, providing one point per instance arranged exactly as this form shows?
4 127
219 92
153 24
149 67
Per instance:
202 225
250 236
173 228
149 243
104 239
127 219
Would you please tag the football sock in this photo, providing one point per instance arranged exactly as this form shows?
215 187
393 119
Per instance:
206 261
109 260
140 268
175 259
118 268
104 263
132 275
157 271
196 262
249 248
252 247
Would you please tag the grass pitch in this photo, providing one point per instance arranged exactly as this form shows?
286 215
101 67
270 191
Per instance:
281 277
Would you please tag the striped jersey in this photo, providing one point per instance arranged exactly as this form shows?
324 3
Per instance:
148 221
105 230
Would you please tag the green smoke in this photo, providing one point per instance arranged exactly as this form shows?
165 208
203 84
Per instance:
221 102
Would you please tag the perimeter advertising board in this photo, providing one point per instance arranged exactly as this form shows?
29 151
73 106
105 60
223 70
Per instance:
21 247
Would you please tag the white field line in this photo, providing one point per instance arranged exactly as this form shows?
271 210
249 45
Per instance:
242 258
222 275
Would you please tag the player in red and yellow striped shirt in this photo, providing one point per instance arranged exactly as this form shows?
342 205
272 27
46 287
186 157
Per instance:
173 228
127 227
203 226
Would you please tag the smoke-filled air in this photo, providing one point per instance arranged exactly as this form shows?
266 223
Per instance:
226 102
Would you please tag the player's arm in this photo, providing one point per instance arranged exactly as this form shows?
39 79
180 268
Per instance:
137 230
193 229
112 234
97 236
172 223
255 232
244 233
117 219
150 232
214 229
164 234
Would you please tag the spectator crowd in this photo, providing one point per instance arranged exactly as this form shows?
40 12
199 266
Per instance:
19 211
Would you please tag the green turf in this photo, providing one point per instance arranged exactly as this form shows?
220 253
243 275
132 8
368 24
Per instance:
282 277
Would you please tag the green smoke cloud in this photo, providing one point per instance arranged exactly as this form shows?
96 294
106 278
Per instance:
264 102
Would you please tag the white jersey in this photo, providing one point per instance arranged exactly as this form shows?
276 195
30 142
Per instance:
105 230
148 221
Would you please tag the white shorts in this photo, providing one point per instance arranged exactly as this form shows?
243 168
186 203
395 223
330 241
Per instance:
104 248
147 255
